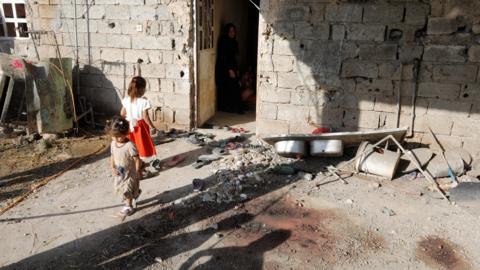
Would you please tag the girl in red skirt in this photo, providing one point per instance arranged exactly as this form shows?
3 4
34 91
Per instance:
135 110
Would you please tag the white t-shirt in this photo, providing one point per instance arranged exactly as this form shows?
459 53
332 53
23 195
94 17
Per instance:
135 109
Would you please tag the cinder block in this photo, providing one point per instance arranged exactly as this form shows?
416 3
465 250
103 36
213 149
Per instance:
390 70
269 94
118 12
470 92
363 32
152 43
439 125
166 85
289 80
143 13
270 127
353 68
360 102
377 87
472 145
437 7
381 13
286 47
450 108
344 13
407 53
112 55
455 73
283 63
153 70
119 41
466 127
378 52
440 53
307 98
292 113
98 40
268 110
338 32
177 72
386 104
416 14
293 13
96 12
183 86
304 30
474 53
441 26
182 117
361 119
177 101
109 27
153 84
439 90
49 11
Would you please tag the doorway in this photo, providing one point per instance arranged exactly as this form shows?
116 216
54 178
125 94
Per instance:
211 18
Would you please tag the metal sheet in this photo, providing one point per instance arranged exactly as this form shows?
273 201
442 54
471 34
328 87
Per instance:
348 138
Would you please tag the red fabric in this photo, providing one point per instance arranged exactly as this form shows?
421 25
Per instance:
142 140
321 131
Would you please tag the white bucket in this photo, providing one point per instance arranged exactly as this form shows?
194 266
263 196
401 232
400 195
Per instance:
382 163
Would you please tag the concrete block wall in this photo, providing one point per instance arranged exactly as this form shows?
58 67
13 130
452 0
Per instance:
113 37
343 64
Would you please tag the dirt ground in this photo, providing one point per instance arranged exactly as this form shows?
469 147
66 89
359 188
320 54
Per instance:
286 223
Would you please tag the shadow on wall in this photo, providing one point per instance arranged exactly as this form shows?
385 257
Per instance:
100 91
347 66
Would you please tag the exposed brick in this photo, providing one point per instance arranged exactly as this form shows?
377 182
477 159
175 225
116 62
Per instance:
112 55
118 12
363 32
344 13
304 30
416 14
470 92
466 127
360 102
382 13
450 108
359 69
166 85
283 63
439 125
362 119
386 104
338 32
440 26
292 113
177 101
153 70
378 52
268 94
439 90
268 110
152 43
474 53
286 47
390 70
438 53
289 80
119 41
183 86
407 53
293 13
377 87
455 73
271 127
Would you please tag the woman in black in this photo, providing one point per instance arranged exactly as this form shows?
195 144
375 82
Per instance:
228 89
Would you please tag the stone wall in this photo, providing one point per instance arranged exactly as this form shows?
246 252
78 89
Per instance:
113 35
343 64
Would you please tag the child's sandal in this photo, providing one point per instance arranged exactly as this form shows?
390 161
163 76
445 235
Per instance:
126 211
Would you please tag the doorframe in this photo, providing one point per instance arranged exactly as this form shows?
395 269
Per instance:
195 65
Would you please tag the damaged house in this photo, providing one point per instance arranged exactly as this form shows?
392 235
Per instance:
346 65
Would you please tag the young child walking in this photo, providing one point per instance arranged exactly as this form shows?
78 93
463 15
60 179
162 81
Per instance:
125 163
135 110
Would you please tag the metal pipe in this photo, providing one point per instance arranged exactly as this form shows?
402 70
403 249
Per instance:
195 65
88 33
77 57
414 97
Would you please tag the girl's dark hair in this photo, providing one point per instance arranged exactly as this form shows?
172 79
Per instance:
118 126
137 87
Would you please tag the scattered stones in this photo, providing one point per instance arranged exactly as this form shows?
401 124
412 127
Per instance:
158 259
388 211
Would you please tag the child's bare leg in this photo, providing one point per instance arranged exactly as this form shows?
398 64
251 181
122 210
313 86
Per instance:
128 202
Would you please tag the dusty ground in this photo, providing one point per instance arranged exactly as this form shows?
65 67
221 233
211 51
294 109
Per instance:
287 223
